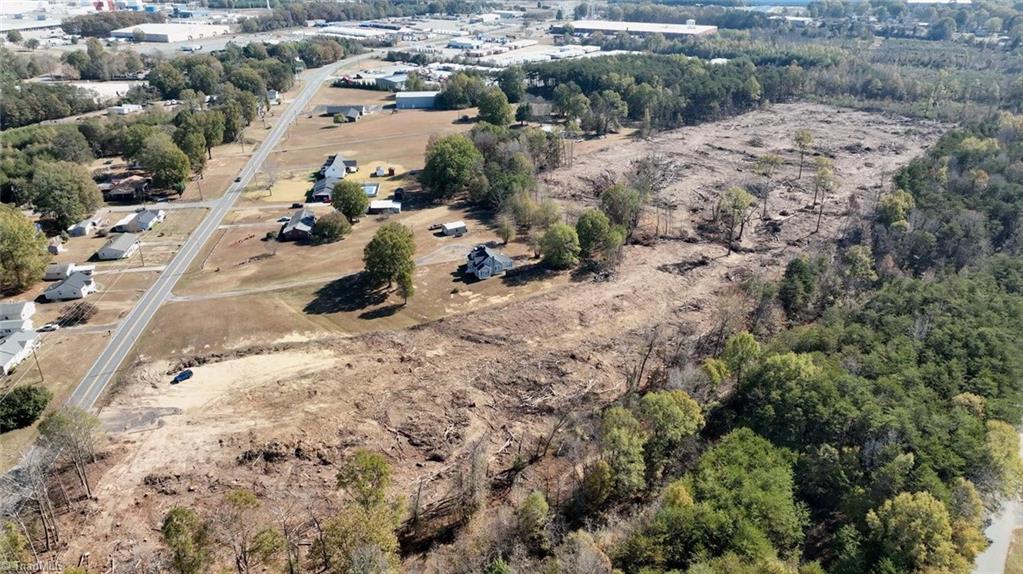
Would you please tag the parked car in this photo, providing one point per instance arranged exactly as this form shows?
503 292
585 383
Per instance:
237 179
48 328
435 227
283 219
297 206
182 376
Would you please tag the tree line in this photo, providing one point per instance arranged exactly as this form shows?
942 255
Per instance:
295 14
99 25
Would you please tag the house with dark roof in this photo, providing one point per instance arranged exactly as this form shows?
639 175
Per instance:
337 167
299 227
483 262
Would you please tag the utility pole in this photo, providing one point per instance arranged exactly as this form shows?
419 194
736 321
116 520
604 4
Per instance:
141 255
41 378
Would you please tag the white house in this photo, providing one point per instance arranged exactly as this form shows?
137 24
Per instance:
273 96
124 109
139 221
17 310
119 247
17 348
61 271
77 286
13 326
84 227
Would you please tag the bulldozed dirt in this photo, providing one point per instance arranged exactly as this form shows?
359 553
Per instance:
278 418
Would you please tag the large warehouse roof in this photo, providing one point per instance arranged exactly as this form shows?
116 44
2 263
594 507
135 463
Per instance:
172 31
614 27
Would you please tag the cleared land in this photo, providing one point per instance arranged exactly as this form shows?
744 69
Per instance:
277 399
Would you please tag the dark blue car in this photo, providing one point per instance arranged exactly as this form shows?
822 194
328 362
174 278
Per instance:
182 376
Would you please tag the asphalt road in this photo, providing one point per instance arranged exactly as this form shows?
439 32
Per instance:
135 323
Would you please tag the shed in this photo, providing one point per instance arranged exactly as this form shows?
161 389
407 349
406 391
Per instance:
415 100
384 206
119 247
483 262
454 228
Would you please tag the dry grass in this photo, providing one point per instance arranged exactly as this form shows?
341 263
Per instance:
1014 563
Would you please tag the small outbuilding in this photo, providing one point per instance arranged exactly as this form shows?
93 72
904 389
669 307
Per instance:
384 206
415 100
483 262
454 228
77 286
119 247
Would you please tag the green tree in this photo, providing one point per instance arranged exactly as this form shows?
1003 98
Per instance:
532 517
524 113
733 210
23 255
1003 457
913 533
607 108
494 108
804 141
506 228
406 287
512 81
560 246
622 205
622 443
451 163
14 37
894 208
350 199
133 139
22 406
64 192
798 287
671 417
188 538
593 229
31 43
741 352
331 228
167 164
366 476
389 253
193 143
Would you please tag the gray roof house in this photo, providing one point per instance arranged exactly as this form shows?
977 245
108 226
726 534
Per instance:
119 247
84 227
77 286
16 348
143 220
484 262
337 166
17 310
61 271
299 227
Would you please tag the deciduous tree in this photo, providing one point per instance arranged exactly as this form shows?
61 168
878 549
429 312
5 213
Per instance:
349 198
23 255
389 253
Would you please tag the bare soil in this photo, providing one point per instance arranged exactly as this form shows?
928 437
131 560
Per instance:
276 411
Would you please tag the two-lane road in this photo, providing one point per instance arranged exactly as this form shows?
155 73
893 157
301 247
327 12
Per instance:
135 323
